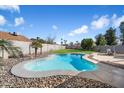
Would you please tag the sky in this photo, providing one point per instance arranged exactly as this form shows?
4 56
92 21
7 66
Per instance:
72 23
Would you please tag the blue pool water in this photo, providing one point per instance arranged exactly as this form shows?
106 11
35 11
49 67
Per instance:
73 62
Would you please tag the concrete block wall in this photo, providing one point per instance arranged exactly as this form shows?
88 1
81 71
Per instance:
25 48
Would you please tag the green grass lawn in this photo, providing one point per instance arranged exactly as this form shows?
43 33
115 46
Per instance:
62 51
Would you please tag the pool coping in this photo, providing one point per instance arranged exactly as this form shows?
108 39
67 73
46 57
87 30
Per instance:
86 56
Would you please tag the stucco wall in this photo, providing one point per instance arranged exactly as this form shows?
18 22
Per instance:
5 54
25 47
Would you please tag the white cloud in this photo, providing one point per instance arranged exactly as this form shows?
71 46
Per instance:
116 20
19 21
71 34
82 29
2 20
12 8
103 21
54 27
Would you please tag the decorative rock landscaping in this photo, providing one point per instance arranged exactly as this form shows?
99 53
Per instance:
79 82
8 80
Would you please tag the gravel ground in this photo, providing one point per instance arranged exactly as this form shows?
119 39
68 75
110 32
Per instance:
8 80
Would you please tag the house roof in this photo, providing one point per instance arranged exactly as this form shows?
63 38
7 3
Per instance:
9 36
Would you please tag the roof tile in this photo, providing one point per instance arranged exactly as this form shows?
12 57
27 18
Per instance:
8 36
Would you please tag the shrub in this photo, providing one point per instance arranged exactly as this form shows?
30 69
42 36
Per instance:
87 44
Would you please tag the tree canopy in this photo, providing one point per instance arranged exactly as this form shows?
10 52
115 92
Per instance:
100 40
110 36
122 31
50 40
87 44
36 43
13 51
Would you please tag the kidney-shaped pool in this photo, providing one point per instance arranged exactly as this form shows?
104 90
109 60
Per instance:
61 62
57 62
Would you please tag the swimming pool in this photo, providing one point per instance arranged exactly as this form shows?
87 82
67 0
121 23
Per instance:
73 62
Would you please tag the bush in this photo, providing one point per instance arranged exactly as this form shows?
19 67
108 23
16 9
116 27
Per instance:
87 44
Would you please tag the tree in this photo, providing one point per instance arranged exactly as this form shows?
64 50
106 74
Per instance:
61 41
71 44
37 43
7 46
50 40
77 44
65 41
110 36
4 46
15 52
87 44
42 40
100 40
122 32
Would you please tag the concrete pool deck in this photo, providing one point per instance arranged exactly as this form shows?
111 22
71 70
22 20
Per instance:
111 74
111 60
107 58
105 73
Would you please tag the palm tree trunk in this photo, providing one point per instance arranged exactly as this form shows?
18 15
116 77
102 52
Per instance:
40 50
35 52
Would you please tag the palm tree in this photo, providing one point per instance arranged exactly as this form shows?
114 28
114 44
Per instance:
37 43
65 41
77 44
61 41
7 46
4 45
16 51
